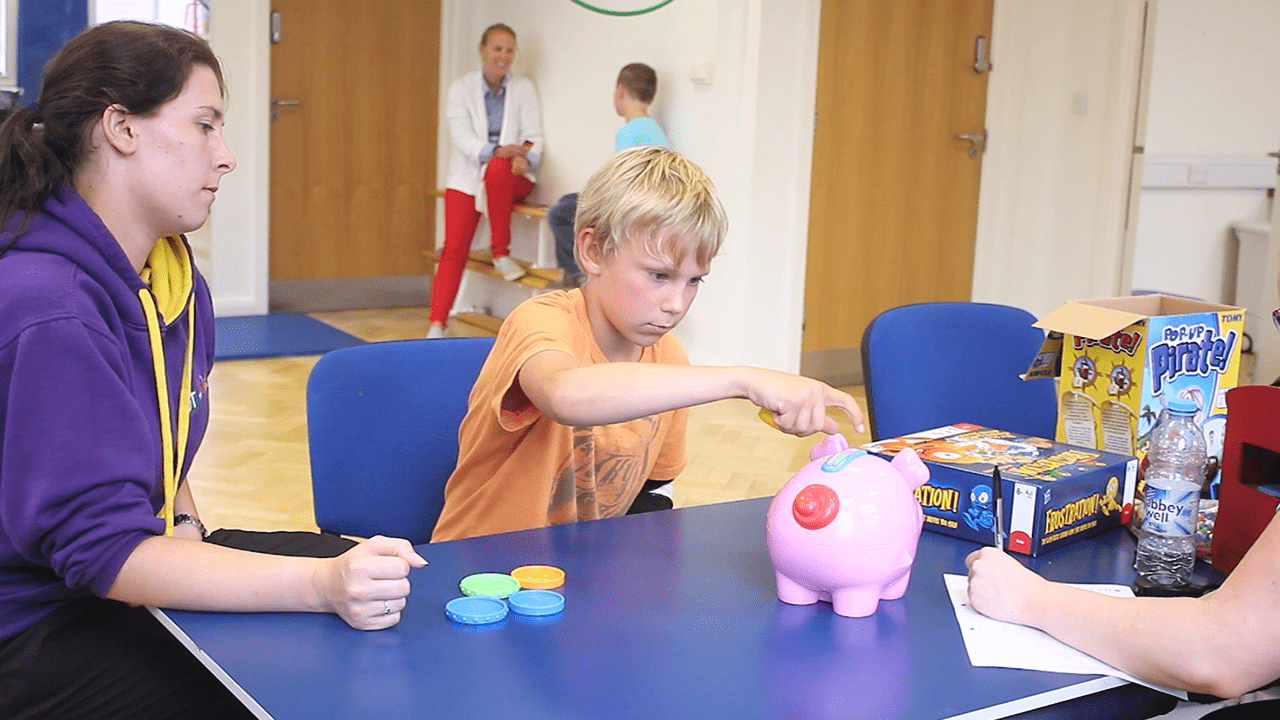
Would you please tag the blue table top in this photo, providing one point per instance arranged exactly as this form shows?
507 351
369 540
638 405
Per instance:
669 615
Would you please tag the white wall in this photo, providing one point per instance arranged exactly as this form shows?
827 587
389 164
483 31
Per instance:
1215 85
1215 97
751 129
1055 179
238 271
1184 243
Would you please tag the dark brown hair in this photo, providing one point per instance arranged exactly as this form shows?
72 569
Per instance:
496 27
140 66
640 80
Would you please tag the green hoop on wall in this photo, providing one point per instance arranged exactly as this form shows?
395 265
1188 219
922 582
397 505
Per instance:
622 13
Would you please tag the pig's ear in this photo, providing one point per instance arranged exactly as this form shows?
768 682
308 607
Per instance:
832 445
911 467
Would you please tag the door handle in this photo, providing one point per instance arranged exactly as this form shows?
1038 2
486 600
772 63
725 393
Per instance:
977 142
980 62
275 106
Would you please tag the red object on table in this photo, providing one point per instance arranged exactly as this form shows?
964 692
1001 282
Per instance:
1250 457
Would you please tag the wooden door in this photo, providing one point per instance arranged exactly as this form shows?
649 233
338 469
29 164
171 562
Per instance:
894 199
353 162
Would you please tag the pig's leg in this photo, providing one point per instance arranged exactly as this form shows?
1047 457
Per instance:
793 593
854 602
897 588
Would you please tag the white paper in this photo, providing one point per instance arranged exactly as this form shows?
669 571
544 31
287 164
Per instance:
994 643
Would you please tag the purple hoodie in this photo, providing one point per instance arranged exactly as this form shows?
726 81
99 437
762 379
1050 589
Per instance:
80 448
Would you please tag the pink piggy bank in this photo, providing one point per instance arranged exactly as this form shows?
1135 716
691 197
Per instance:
845 528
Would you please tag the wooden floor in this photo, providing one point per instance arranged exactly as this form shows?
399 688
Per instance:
253 472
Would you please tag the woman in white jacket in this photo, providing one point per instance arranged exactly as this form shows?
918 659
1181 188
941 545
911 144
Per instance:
495 128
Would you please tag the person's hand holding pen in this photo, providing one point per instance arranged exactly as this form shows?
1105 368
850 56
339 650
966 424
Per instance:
1001 587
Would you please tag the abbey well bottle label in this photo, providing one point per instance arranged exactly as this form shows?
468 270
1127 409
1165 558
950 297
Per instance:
1171 512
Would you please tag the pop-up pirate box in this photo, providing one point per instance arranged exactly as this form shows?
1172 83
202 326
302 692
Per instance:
1120 360
1053 493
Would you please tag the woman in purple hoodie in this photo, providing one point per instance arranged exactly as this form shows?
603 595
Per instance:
106 342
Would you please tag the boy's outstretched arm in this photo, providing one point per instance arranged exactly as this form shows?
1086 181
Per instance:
571 394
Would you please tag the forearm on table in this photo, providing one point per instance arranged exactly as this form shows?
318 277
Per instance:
173 573
617 392
1185 643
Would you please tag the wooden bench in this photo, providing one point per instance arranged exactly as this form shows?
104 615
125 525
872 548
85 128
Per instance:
481 261
532 210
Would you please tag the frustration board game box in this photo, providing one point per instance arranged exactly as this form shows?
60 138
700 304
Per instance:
1120 360
1053 493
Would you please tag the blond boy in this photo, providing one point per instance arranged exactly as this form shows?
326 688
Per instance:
585 395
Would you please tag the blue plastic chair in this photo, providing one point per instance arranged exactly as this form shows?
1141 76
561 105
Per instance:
934 364
382 426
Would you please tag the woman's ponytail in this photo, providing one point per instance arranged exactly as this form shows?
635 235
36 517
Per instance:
29 171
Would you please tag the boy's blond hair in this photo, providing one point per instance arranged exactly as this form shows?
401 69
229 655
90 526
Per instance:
657 197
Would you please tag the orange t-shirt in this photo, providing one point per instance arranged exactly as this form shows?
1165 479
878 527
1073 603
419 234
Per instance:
517 469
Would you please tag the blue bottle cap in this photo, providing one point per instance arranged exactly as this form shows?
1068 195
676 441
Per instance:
1183 406
475 610
536 602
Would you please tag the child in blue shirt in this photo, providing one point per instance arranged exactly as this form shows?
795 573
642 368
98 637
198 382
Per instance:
637 84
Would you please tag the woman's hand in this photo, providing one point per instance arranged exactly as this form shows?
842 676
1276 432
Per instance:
367 586
1000 587
519 165
511 151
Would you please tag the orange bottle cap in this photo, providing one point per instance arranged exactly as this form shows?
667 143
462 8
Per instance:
538 577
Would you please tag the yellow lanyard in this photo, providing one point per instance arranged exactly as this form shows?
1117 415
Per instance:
173 454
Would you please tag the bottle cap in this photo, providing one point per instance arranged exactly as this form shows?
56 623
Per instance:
494 585
475 610
536 602
538 577
1183 406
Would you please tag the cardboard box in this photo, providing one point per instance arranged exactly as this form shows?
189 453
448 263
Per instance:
1054 493
1119 360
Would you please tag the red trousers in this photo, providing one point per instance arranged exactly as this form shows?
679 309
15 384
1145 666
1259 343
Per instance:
503 190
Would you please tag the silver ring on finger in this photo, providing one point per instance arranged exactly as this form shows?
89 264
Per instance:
386 607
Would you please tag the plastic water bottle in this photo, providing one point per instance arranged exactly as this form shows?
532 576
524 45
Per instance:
1175 473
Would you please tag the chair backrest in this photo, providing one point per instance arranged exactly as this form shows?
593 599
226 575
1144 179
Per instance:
382 426
934 364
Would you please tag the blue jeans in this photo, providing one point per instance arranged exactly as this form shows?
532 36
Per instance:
560 218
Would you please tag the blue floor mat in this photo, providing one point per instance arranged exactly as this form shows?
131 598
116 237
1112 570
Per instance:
262 336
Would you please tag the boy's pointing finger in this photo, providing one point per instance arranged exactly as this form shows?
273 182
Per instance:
845 402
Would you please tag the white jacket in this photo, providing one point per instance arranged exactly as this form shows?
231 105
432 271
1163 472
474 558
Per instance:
469 128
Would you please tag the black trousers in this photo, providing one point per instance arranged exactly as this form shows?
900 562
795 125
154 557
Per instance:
1260 710
101 659
649 500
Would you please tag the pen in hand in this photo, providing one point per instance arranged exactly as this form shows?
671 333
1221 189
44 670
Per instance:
998 495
